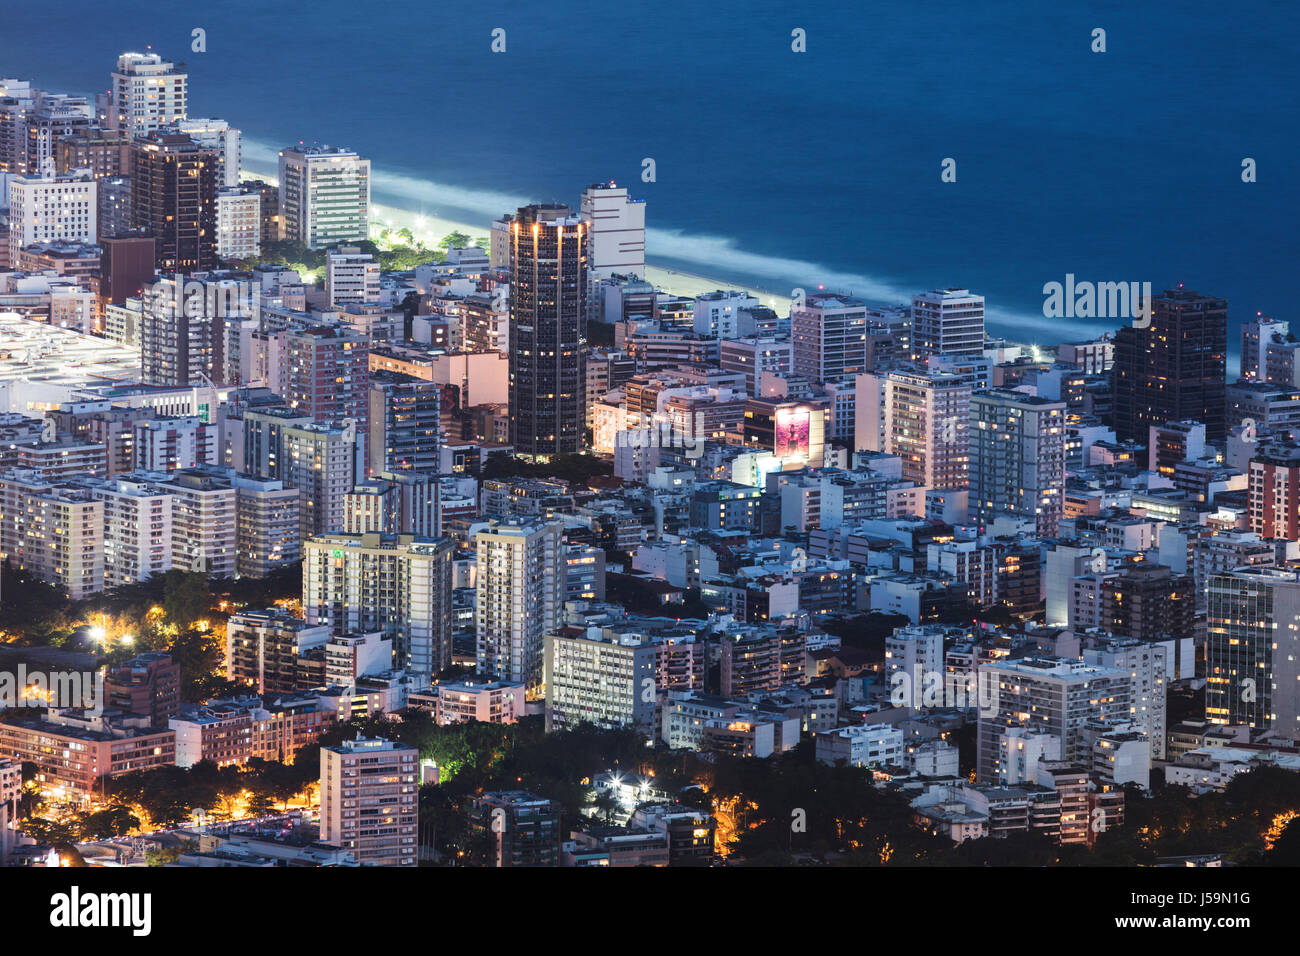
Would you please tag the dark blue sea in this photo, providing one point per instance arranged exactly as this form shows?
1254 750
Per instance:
779 168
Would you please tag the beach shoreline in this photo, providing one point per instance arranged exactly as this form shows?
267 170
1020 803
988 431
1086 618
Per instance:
429 229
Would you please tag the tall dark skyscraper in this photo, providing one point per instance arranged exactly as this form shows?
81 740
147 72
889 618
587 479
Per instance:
174 197
548 330
1175 368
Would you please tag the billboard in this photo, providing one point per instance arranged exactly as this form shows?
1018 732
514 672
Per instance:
793 433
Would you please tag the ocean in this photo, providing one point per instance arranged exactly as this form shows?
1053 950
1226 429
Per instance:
776 168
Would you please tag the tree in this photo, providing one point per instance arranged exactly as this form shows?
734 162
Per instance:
161 856
113 821
185 597
53 832
456 239
605 804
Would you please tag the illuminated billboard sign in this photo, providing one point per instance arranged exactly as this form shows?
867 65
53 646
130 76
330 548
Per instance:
793 428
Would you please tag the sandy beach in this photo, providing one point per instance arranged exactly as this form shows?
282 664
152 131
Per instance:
429 229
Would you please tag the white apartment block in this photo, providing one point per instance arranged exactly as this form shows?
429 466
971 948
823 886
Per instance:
239 223
717 314
168 444
913 651
1054 696
616 238
52 209
947 321
351 278
519 595
324 195
203 521
399 585
604 679
865 745
137 531
922 418
493 702
148 92
1148 666
55 532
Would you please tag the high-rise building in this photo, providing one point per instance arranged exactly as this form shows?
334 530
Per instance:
829 338
1148 602
320 462
483 326
204 511
182 335
1173 368
524 828
548 330
924 418
267 530
174 198
351 277
148 92
166 444
519 596
398 585
272 225
1017 457
219 135
369 801
116 211
1273 495
54 115
947 321
1148 663
1252 647
137 530
105 152
606 680
17 99
54 532
405 420
616 231
395 502
754 356
11 788
324 195
1257 335
239 222
1052 696
722 314
263 648
148 684
51 209
327 377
